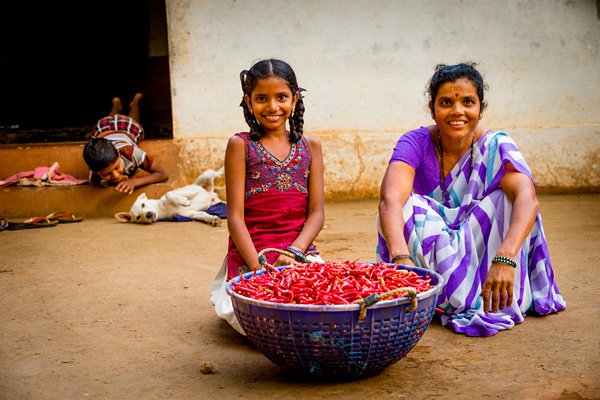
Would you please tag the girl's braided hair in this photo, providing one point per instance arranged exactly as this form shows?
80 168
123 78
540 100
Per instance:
265 69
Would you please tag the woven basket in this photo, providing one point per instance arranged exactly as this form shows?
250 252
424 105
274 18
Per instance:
329 341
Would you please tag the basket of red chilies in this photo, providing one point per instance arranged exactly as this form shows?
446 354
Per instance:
335 320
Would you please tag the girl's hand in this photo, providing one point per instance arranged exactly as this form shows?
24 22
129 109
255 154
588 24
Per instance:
283 260
499 284
125 187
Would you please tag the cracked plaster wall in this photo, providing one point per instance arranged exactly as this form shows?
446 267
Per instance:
365 65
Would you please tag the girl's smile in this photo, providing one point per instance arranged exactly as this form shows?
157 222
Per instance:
271 102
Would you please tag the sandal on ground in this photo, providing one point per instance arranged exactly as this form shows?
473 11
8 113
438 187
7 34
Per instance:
63 217
3 224
39 222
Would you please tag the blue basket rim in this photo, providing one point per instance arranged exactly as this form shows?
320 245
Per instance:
342 307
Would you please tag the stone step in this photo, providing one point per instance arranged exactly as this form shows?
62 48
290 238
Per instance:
82 200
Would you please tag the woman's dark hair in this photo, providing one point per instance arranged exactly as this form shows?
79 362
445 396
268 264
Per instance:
451 73
99 154
265 69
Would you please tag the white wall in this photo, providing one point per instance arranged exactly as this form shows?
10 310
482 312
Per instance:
365 65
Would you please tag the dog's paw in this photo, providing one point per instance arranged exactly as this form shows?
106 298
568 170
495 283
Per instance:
216 221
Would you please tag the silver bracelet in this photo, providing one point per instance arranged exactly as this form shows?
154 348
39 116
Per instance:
403 257
504 260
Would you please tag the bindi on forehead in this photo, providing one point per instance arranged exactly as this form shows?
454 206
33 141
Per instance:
455 94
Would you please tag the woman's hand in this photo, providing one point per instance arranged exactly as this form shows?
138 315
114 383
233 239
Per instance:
405 261
395 188
498 284
500 279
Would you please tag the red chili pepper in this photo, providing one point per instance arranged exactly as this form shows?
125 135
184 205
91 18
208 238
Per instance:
328 283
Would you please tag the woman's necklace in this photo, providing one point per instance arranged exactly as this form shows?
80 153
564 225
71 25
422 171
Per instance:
445 197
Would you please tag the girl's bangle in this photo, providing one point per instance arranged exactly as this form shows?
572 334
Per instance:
403 257
504 260
299 254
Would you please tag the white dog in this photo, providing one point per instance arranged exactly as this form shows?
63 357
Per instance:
189 201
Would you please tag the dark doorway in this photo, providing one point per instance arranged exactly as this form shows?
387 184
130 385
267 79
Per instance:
61 63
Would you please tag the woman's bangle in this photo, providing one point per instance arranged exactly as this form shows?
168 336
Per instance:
504 260
403 257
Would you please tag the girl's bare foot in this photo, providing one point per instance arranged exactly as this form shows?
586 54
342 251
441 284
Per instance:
117 107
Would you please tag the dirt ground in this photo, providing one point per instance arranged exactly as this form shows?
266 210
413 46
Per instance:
107 310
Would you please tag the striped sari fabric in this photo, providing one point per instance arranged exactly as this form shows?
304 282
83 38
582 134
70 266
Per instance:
459 238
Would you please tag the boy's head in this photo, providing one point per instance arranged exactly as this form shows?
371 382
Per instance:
103 159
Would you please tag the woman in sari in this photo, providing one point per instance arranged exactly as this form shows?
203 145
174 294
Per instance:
460 200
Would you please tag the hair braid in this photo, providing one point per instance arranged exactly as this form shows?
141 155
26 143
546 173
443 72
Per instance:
297 119
256 130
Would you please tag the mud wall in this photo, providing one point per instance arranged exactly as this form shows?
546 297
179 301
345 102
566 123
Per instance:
365 65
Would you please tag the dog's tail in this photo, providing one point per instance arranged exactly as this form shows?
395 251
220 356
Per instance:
207 178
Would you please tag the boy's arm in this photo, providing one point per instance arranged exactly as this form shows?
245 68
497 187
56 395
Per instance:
157 174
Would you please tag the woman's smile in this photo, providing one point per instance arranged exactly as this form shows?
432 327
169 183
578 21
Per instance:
457 108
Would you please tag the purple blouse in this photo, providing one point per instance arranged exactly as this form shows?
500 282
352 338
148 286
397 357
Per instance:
416 148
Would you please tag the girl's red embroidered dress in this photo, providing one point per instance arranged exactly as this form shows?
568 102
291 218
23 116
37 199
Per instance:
276 200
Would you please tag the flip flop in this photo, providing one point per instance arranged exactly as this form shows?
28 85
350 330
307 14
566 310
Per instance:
63 217
3 224
39 222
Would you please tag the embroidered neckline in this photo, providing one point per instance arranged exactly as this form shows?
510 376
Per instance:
265 171
274 159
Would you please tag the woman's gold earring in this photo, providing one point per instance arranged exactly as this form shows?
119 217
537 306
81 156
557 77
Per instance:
251 111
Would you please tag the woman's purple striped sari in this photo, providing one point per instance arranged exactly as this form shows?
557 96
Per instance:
459 239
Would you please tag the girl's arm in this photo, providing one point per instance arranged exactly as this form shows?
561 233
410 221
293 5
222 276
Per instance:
316 207
395 188
500 278
157 174
235 177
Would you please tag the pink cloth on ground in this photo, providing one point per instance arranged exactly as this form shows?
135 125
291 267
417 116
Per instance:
42 176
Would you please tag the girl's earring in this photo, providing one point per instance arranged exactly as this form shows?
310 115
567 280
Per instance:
251 111
480 117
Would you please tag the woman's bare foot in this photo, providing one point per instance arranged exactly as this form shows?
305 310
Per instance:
117 107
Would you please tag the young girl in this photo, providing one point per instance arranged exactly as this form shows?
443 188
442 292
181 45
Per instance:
274 179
